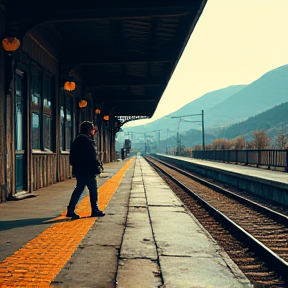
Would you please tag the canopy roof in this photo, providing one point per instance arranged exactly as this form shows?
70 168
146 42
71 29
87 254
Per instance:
124 51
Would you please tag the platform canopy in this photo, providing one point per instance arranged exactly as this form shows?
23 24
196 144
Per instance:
125 52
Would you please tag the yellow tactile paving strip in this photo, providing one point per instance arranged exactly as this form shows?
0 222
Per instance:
40 260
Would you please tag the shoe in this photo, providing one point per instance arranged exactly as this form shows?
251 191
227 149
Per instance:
72 215
97 213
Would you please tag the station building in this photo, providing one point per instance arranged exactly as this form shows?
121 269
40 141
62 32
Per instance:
63 62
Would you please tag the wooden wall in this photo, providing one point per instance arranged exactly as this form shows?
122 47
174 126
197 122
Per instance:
65 170
44 168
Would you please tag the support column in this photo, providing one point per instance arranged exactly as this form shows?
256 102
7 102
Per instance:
3 190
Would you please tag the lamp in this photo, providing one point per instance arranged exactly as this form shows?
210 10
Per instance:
10 44
97 111
82 103
106 117
69 85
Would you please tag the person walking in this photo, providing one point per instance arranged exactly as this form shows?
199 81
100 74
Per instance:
85 167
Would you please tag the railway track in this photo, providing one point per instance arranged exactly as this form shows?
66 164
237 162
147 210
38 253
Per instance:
253 234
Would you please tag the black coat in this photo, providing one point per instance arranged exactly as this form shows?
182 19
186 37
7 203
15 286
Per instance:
83 157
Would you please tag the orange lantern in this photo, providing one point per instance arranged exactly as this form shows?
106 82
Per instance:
82 103
10 44
97 111
69 85
106 117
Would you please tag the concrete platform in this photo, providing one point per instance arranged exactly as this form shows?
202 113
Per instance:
147 238
272 185
261 173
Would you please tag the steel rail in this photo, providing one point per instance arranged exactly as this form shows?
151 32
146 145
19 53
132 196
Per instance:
271 259
279 217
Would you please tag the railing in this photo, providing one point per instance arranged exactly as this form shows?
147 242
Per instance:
270 158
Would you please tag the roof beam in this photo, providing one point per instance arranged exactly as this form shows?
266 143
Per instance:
130 101
33 14
91 60
63 11
98 80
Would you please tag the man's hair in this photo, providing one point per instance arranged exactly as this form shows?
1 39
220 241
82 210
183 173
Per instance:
86 126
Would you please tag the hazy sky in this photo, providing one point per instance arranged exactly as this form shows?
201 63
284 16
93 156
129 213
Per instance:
234 42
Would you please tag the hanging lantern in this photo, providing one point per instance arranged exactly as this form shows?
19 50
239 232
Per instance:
97 111
10 44
82 103
69 85
106 117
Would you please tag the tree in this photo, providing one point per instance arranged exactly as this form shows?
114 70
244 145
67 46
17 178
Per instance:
282 140
220 144
198 147
239 143
261 140
251 145
187 152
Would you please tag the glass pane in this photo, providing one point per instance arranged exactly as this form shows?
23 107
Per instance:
19 129
47 132
48 88
35 91
47 95
68 124
35 131
62 127
19 116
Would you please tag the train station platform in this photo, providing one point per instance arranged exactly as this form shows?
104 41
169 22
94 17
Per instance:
147 238
269 184
260 173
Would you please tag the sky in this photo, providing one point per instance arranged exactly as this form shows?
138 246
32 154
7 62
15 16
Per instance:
234 42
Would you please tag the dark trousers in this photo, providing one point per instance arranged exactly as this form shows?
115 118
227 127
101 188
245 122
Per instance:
82 182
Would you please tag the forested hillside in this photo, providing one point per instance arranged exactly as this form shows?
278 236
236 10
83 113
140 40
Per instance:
272 121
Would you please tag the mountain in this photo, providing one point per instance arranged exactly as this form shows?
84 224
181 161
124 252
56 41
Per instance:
222 108
207 101
268 91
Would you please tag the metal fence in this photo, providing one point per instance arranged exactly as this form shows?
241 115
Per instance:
270 158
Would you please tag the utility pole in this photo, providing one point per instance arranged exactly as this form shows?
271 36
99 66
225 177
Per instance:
178 149
178 138
181 119
203 140
158 139
167 136
145 141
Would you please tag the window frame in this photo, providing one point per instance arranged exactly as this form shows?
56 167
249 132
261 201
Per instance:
42 91
66 126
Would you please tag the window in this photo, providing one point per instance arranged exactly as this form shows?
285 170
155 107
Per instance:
36 109
66 110
42 96
35 131
19 115
47 111
68 126
62 124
